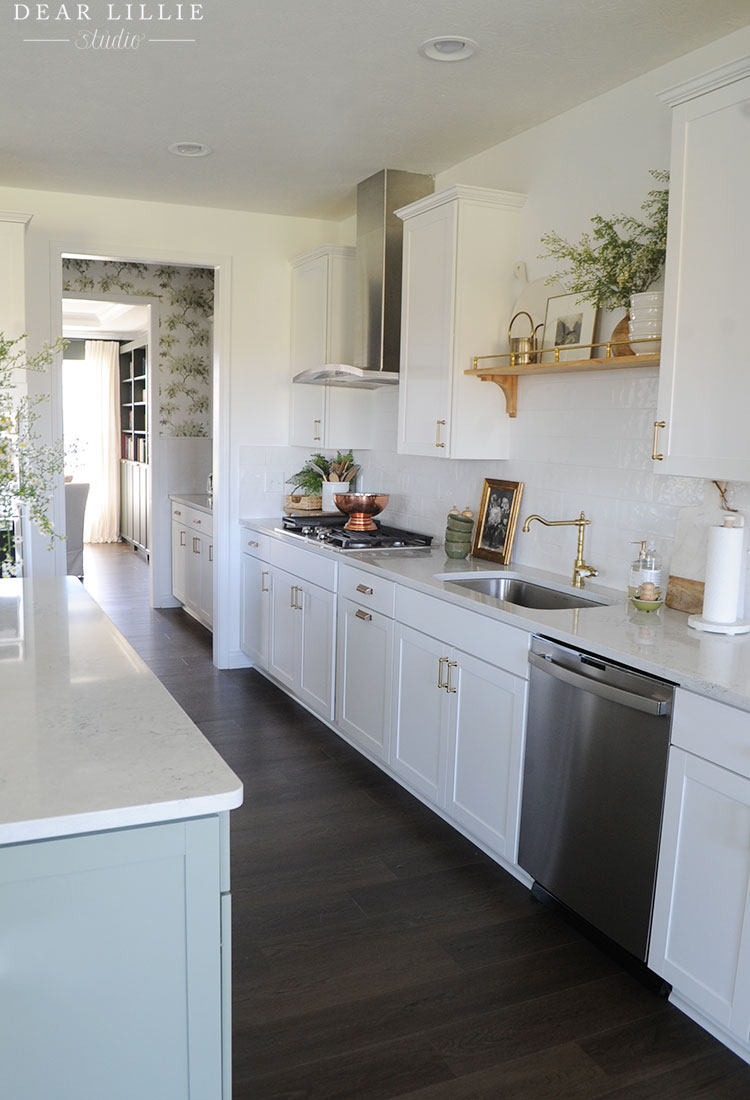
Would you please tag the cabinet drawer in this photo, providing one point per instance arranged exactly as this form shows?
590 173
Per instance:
256 544
712 730
367 589
304 564
193 518
495 642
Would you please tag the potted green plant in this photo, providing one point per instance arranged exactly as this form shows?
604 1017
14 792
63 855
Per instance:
621 257
319 472
28 468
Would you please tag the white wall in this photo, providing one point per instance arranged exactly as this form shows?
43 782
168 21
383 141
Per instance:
577 443
252 338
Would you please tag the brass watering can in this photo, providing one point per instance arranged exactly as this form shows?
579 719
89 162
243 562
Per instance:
524 349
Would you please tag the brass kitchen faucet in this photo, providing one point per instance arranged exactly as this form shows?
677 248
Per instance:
580 569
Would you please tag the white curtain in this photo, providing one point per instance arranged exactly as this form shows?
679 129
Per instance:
103 383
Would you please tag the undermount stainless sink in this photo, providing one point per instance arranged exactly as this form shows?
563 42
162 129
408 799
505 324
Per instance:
523 593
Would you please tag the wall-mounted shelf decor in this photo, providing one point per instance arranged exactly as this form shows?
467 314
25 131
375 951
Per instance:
508 371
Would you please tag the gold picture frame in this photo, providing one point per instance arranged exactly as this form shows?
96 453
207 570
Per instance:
568 320
496 525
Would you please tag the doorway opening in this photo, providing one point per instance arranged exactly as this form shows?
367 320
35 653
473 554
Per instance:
161 319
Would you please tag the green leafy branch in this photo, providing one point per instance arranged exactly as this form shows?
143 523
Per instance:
622 256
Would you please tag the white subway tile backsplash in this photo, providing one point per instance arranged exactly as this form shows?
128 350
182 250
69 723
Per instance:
579 442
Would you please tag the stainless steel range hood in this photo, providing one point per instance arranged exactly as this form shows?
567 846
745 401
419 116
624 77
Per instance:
378 315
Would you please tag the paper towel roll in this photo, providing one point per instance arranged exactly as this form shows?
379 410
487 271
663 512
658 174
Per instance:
725 562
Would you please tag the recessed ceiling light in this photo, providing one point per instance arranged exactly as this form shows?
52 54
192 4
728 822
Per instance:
452 47
189 149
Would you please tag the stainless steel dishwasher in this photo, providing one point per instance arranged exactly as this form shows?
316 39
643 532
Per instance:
593 788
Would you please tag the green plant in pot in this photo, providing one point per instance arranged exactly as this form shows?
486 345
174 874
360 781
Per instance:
28 468
320 471
623 255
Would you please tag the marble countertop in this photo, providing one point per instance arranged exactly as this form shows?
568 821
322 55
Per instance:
89 738
202 501
660 643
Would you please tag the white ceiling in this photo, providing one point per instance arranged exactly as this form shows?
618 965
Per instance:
301 99
105 320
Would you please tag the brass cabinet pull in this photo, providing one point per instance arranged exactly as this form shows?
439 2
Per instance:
196 545
177 512
292 602
364 615
263 575
183 538
657 424
296 589
211 552
316 429
251 543
449 686
364 589
437 433
197 521
441 683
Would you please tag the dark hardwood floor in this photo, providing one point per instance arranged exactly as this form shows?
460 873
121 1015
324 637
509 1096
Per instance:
377 953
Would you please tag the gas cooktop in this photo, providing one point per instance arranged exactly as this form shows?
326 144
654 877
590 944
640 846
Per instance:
329 531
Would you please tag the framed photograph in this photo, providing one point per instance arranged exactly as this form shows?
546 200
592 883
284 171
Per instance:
568 321
496 524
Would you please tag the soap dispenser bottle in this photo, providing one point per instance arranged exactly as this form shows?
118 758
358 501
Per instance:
634 581
651 576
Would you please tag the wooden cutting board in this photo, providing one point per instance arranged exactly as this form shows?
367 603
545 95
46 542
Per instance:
687 570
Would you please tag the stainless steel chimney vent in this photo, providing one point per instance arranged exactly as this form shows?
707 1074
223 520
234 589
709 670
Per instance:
379 271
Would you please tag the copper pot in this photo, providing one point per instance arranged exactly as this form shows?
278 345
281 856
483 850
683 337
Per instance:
360 508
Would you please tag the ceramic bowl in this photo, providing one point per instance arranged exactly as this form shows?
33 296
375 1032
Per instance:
645 328
646 605
457 549
456 523
645 313
649 298
457 536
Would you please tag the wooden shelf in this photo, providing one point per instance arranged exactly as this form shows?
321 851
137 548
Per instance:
506 376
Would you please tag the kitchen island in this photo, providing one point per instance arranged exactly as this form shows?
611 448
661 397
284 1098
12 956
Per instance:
114 866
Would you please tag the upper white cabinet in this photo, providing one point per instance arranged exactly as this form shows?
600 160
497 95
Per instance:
323 302
704 380
459 251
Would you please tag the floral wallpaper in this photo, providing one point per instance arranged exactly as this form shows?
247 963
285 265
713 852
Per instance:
186 295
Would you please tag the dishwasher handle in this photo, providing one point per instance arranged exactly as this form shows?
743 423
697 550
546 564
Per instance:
605 691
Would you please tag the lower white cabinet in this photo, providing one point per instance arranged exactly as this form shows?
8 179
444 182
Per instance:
700 939
255 616
116 954
288 619
364 673
458 724
193 561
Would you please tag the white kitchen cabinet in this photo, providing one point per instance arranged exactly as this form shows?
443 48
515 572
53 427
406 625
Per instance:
255 615
700 939
459 250
458 724
192 561
364 660
179 559
326 417
302 640
704 382
289 618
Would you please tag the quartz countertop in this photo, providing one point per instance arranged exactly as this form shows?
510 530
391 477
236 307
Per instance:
202 501
90 739
657 642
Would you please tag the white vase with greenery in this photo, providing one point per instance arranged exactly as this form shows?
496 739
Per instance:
29 469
